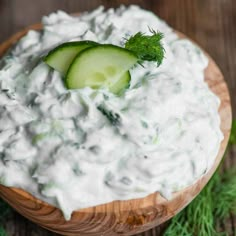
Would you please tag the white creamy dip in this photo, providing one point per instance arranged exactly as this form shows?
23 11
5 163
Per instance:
80 148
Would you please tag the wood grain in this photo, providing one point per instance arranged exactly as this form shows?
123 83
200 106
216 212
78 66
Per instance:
120 217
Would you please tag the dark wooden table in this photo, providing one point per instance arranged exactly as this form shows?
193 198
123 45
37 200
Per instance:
211 23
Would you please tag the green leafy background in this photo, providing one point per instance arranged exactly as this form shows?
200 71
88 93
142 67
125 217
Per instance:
213 205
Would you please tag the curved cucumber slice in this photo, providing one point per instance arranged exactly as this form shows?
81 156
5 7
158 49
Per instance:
61 57
101 66
122 84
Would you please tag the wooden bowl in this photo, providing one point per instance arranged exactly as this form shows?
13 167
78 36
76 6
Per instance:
120 217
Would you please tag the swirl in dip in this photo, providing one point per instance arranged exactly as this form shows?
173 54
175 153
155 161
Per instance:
161 135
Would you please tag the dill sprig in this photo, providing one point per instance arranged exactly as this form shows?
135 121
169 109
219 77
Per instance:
225 195
197 219
147 47
2 232
179 226
216 202
202 210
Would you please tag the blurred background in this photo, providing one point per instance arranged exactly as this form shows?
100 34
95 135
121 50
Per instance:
211 23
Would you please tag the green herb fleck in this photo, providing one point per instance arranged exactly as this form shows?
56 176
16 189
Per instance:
144 124
155 139
113 117
38 137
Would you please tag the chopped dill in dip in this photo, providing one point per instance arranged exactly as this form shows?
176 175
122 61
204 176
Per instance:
83 147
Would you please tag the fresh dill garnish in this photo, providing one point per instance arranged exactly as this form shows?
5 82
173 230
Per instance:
147 47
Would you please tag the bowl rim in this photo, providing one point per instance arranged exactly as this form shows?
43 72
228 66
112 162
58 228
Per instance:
216 83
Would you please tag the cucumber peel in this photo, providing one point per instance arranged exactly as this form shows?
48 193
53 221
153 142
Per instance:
62 56
102 66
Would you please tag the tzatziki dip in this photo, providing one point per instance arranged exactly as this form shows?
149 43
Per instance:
84 147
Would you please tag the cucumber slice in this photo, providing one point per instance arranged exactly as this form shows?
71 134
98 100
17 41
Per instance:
61 57
122 84
101 66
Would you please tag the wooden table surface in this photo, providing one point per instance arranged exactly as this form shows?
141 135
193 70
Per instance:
211 23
